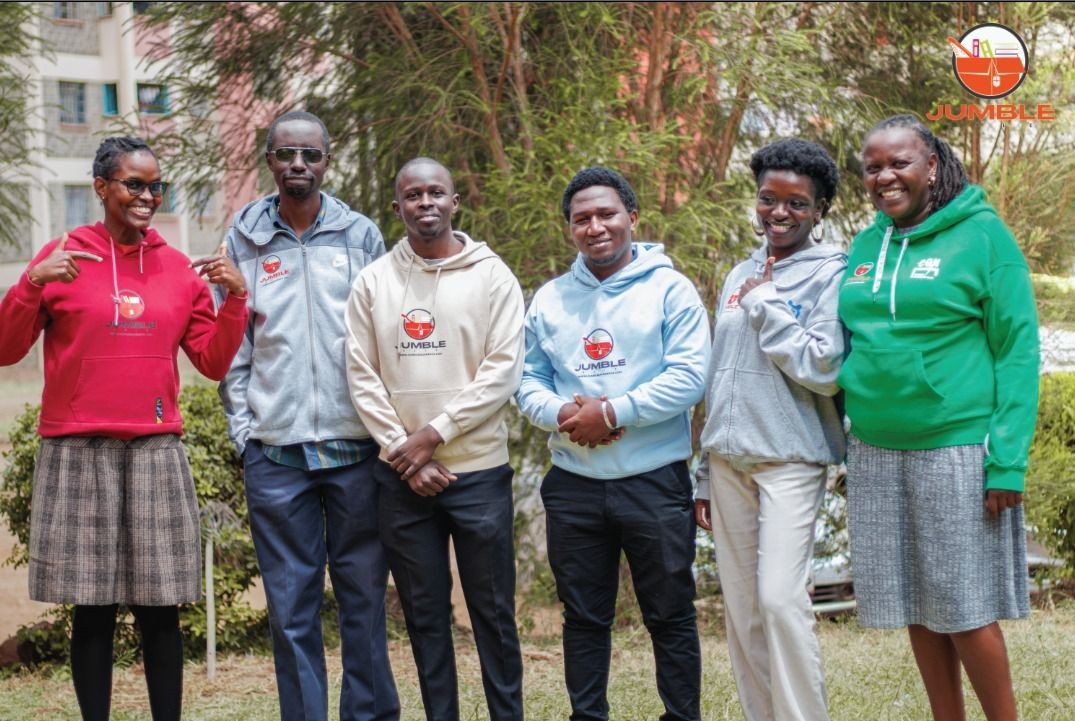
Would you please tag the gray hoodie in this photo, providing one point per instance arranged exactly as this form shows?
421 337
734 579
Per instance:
776 354
288 383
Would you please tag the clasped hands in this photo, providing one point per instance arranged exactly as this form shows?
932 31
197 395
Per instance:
584 422
413 461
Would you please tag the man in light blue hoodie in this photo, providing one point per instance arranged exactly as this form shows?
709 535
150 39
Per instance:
307 457
616 356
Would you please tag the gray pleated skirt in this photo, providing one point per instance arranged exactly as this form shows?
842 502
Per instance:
923 548
114 522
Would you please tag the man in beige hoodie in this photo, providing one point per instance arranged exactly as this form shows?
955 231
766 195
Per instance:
434 352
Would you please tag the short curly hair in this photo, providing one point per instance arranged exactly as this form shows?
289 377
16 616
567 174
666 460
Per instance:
112 149
804 158
596 175
270 137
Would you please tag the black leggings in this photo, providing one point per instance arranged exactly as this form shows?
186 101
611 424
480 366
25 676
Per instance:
162 656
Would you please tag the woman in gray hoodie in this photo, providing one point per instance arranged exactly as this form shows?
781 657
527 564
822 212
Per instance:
772 426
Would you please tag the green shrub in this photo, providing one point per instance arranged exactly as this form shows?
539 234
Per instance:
1050 479
1055 299
218 481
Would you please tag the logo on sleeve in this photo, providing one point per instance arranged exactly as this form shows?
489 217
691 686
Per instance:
597 346
927 269
419 324
274 270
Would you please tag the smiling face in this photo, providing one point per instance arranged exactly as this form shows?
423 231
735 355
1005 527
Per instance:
127 216
601 229
897 167
298 178
788 208
425 201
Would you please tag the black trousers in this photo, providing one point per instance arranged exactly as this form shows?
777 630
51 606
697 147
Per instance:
476 511
649 517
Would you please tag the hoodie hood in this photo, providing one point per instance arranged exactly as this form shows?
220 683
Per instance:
797 270
645 258
969 202
404 257
255 221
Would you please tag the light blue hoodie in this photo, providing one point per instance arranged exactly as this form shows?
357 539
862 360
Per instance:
287 383
641 338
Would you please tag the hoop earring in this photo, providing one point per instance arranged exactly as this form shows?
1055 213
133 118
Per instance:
817 233
756 225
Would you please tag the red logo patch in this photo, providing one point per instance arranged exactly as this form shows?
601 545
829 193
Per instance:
419 324
863 269
598 344
271 264
131 304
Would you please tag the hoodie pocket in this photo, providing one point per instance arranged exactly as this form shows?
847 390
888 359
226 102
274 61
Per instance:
889 390
103 393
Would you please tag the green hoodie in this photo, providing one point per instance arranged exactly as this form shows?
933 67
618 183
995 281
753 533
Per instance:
944 337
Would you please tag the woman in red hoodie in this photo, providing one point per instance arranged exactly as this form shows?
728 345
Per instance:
114 517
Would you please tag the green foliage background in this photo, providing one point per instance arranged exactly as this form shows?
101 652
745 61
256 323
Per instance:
217 473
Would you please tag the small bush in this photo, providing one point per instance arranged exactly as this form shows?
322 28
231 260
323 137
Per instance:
1055 298
1050 479
218 480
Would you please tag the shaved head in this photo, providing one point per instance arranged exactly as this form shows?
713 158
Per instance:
421 160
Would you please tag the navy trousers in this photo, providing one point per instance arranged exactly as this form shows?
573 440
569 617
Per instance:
649 517
299 519
477 512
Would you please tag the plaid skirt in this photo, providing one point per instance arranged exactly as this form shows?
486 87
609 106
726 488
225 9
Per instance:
923 548
114 522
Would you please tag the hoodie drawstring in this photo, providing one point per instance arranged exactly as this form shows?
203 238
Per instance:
895 277
115 281
881 260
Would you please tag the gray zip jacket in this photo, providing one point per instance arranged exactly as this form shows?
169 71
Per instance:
288 383
776 354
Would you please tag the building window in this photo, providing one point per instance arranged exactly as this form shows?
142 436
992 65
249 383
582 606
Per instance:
141 7
168 201
153 99
65 11
104 10
72 103
109 99
76 205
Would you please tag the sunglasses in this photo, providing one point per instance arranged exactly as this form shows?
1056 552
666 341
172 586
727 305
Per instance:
136 187
310 155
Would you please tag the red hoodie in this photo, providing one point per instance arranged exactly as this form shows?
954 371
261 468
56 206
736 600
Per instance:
112 336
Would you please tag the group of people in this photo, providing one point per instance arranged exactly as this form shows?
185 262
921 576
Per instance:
366 392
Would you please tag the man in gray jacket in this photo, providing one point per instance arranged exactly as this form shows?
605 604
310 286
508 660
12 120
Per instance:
308 459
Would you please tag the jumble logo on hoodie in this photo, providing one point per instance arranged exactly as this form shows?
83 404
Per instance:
131 305
597 345
420 324
271 264
860 274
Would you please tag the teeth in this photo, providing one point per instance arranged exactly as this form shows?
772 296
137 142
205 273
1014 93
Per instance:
891 193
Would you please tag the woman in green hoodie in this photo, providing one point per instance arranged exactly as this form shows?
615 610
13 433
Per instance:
941 390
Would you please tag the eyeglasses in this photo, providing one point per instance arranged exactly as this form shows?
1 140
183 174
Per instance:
136 187
310 155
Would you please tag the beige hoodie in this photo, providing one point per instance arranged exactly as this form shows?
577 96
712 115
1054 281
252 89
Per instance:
440 344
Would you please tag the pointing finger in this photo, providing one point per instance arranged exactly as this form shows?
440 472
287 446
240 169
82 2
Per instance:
768 275
84 255
63 242
201 261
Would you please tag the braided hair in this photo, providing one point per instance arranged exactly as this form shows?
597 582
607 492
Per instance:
596 175
112 149
951 175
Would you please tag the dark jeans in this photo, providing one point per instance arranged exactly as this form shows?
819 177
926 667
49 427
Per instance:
299 519
650 518
477 513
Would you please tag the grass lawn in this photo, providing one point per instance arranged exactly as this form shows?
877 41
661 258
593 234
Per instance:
871 677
